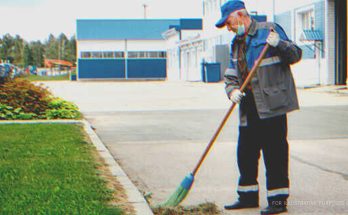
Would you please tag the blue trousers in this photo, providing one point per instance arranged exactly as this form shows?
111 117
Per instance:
269 136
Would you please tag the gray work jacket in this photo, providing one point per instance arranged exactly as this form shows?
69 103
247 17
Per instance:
273 86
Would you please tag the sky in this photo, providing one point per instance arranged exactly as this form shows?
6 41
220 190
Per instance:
36 19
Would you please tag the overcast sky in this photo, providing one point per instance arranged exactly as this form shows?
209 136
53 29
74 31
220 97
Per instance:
35 19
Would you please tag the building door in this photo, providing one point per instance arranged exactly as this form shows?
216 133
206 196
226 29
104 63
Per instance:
341 41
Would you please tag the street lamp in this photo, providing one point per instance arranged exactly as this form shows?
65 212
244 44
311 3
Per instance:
145 6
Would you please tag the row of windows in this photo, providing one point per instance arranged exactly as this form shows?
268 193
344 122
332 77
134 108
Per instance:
151 54
102 54
132 54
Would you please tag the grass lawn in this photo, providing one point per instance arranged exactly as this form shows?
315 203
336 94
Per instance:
47 78
51 169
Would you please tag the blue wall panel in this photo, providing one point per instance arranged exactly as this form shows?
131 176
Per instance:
191 24
147 68
120 29
101 68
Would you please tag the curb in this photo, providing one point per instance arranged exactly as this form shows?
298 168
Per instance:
135 198
342 90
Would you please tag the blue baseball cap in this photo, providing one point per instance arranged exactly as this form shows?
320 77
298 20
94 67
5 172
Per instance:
227 8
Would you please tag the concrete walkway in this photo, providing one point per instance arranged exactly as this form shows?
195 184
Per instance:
158 130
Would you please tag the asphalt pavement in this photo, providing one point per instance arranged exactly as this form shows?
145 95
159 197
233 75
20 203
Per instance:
157 131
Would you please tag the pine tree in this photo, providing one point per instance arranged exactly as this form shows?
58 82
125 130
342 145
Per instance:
7 47
27 55
62 47
37 49
18 50
71 50
51 48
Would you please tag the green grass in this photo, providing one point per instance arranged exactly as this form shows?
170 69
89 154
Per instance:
46 78
49 169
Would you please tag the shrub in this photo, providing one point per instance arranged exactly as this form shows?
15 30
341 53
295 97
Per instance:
8 112
21 99
19 93
61 109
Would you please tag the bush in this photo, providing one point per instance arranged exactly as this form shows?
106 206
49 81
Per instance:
19 93
8 112
61 109
22 100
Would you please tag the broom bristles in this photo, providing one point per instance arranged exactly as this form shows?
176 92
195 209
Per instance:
180 193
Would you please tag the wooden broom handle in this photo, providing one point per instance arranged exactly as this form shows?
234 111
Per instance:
222 124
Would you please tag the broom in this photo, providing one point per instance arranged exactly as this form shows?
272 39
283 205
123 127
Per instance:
181 192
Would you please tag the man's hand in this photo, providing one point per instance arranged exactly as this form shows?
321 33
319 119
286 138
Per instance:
273 39
236 96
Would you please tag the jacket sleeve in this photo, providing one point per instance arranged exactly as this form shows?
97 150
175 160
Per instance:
289 52
231 76
231 81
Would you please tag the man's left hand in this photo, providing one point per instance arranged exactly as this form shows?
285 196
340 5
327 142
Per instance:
273 39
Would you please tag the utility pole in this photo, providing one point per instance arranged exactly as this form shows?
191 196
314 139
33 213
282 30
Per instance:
145 7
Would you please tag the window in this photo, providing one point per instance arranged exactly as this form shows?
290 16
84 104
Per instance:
96 54
119 54
85 54
108 54
104 55
304 20
307 19
132 54
150 54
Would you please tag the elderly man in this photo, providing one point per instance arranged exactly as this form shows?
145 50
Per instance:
263 106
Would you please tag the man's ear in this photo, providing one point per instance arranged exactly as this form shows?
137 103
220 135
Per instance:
240 14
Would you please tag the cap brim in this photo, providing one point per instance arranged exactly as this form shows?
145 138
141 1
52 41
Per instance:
222 22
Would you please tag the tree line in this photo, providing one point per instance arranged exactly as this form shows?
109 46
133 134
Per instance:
16 50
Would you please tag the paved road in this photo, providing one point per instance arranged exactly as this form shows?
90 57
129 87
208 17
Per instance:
158 130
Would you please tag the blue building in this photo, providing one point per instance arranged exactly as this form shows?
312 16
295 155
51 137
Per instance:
124 49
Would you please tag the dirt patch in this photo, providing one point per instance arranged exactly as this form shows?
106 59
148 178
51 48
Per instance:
202 209
120 198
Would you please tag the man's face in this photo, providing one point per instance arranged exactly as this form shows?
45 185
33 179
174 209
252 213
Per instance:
232 23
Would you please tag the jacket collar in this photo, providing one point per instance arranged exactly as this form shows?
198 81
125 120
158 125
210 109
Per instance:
252 27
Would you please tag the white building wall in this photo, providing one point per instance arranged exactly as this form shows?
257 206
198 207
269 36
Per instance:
120 45
192 58
99 45
146 45
184 55
173 55
187 34
192 52
330 38
309 72
284 6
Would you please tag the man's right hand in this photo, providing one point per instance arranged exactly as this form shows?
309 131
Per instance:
236 96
